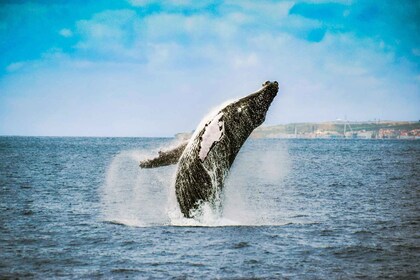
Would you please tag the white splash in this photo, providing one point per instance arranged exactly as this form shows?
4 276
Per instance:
146 197
213 133
134 196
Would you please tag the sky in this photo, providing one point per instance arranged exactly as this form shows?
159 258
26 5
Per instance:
155 68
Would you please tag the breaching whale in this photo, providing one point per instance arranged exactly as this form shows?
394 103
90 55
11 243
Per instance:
204 162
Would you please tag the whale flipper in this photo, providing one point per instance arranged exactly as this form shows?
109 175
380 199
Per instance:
165 157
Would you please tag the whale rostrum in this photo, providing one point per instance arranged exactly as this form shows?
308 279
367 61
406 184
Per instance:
204 162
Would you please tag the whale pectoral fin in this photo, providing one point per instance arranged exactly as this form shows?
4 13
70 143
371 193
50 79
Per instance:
164 158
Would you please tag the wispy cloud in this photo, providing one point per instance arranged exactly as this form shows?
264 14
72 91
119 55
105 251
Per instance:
15 66
109 35
65 32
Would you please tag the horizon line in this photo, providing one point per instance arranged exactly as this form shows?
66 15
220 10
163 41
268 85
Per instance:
338 121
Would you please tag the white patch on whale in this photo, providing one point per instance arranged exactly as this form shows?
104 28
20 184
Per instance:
213 133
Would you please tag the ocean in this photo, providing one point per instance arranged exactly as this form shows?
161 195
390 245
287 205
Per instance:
291 209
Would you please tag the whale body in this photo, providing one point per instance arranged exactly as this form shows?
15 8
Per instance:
204 162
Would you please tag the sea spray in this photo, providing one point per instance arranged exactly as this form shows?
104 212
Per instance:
134 196
256 173
146 197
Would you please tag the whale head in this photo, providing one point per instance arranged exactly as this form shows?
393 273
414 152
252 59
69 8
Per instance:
256 105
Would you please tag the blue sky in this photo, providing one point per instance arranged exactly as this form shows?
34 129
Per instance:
155 68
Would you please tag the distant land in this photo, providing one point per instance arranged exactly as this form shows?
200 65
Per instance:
338 129
342 129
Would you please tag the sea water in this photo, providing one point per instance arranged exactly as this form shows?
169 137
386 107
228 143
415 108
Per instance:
300 209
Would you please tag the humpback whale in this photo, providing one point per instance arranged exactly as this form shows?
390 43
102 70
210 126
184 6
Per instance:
204 162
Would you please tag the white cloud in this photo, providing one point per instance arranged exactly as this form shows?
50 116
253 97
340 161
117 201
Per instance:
66 32
172 27
111 34
246 61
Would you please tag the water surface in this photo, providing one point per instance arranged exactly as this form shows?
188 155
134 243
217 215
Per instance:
300 209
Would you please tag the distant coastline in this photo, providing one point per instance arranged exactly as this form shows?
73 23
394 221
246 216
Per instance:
404 130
